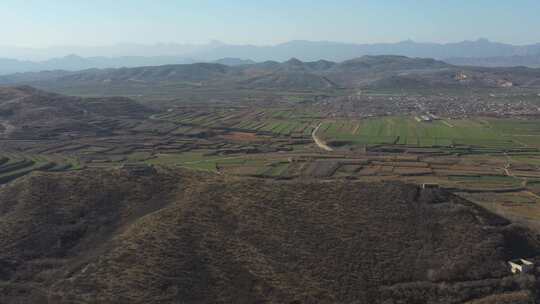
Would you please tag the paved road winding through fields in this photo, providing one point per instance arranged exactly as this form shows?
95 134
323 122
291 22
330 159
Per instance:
319 141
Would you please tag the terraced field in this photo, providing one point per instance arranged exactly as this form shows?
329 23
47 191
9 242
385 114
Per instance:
13 166
277 122
521 207
400 130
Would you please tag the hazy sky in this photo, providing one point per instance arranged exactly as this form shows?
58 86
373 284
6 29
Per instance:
42 23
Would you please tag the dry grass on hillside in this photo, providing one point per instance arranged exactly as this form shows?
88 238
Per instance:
185 237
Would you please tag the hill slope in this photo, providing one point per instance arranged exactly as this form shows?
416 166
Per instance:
180 236
364 72
26 111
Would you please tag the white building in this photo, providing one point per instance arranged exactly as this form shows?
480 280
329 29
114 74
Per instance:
521 266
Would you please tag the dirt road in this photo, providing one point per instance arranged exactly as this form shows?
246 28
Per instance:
320 143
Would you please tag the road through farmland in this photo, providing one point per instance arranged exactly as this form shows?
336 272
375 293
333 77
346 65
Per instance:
320 143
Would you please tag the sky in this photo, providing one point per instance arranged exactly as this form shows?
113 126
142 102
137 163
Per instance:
46 23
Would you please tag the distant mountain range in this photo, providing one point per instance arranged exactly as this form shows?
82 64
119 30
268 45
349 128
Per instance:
481 52
334 51
363 72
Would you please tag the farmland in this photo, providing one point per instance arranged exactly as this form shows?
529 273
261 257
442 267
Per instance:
486 154
378 179
487 133
275 141
184 181
15 165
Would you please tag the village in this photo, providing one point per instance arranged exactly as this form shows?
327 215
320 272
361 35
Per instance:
442 104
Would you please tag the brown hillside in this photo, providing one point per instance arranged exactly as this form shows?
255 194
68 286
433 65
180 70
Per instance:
184 237
32 113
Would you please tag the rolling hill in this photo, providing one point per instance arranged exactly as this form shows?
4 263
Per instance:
29 112
113 236
364 72
479 52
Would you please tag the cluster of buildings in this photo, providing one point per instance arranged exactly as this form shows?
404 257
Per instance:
361 106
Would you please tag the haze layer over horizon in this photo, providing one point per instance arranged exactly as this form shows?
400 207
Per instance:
41 24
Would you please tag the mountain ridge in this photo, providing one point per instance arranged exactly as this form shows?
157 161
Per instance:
293 74
131 55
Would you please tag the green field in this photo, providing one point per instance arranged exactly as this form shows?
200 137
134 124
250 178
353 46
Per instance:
491 133
401 130
196 160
